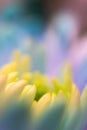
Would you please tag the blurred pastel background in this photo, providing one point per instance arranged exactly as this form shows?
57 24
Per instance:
53 33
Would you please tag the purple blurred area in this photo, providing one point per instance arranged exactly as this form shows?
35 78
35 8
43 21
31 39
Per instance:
52 32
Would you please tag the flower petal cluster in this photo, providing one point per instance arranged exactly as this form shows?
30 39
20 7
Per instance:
32 101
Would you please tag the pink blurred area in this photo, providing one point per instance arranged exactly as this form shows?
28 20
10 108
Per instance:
78 52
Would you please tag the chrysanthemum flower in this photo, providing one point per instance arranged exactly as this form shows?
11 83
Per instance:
31 101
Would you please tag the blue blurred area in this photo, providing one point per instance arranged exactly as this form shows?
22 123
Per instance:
8 40
12 32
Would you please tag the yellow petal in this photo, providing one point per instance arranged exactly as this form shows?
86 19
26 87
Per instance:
3 80
43 104
12 77
61 97
84 98
68 77
34 104
25 64
14 89
9 68
28 93
27 76
53 98
75 98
